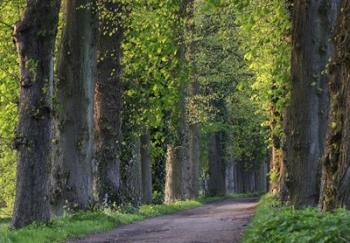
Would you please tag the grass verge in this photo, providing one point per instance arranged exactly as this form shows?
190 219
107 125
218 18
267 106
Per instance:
275 223
84 223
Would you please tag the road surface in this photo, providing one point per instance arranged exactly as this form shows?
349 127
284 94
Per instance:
220 222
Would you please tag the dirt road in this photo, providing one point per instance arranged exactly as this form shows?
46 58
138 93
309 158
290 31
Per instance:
219 222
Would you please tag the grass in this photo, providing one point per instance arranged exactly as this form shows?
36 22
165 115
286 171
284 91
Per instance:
83 223
277 223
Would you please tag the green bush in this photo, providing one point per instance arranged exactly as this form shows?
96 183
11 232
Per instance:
275 222
157 197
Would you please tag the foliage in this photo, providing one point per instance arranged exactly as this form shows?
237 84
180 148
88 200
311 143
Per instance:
9 80
152 76
245 123
264 34
277 223
218 63
149 61
225 84
227 36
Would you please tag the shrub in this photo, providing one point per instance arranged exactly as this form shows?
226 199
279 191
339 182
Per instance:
275 222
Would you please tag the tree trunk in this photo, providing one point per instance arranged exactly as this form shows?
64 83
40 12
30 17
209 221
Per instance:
276 163
307 114
35 38
173 183
72 171
278 174
216 183
336 162
146 162
108 104
283 193
235 177
192 172
262 178
177 151
194 160
240 179
134 179
230 179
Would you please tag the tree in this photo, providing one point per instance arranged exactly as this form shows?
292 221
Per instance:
248 170
177 167
150 86
217 164
265 41
133 180
73 159
336 161
307 112
146 164
35 36
173 190
108 100
192 168
217 65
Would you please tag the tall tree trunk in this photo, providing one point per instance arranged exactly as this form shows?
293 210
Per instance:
134 179
35 38
72 171
191 180
216 151
336 162
173 183
194 160
261 178
146 162
239 178
229 177
235 177
108 104
313 21
177 155
177 151
278 173
276 162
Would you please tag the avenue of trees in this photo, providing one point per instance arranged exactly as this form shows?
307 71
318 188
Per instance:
116 102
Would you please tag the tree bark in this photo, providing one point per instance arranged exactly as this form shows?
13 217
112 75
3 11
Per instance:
174 175
230 177
193 90
72 171
194 160
336 161
177 151
134 179
313 21
276 163
146 162
261 181
35 38
108 104
216 151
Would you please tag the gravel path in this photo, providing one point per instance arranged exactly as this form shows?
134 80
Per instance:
220 222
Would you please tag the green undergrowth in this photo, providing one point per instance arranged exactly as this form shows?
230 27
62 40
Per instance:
277 223
83 223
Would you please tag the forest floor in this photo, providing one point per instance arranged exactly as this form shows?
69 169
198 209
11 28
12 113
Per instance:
222 222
